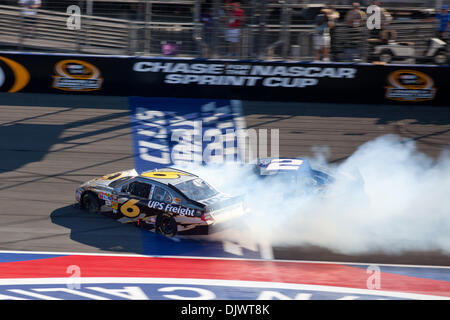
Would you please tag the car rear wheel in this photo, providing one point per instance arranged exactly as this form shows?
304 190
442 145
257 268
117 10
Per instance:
90 203
166 225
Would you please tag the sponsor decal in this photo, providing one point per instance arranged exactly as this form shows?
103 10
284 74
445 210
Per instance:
77 75
176 200
20 76
168 207
243 75
106 197
410 85
115 202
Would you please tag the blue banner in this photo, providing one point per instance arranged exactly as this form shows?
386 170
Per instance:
175 132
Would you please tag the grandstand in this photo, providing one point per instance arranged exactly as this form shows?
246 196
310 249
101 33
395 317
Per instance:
273 29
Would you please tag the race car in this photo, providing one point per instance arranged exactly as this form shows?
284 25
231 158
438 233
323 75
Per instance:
299 178
295 172
167 201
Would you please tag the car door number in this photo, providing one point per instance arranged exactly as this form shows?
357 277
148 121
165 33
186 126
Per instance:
130 209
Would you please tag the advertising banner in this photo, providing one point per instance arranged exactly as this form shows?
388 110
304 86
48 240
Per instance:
224 79
172 131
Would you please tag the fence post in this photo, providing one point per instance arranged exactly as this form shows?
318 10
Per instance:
22 30
216 28
147 32
131 41
262 29
285 23
78 32
197 34
89 13
254 17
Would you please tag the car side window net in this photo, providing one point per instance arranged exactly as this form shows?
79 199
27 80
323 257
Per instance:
119 181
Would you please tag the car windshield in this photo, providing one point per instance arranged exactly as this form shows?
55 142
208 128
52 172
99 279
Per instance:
196 189
282 176
119 181
288 176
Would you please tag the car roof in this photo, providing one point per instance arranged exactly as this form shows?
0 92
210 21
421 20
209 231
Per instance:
168 176
267 160
263 163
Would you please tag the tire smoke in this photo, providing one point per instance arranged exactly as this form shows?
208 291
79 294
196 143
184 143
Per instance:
403 203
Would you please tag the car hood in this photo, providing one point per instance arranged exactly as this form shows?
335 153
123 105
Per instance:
104 181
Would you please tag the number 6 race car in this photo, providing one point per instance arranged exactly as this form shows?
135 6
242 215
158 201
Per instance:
167 201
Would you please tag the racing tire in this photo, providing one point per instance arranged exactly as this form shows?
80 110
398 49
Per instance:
386 56
90 203
166 225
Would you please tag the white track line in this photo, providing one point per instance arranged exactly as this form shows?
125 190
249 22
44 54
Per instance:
221 258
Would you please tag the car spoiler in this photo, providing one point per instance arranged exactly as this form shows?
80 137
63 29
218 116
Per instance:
201 205
225 203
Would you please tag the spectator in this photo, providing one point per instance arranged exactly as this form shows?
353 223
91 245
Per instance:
236 17
443 18
29 12
170 48
322 35
333 17
355 17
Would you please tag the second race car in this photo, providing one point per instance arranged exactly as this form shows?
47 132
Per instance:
297 173
167 201
299 178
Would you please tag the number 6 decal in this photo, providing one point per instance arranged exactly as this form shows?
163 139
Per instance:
130 209
164 174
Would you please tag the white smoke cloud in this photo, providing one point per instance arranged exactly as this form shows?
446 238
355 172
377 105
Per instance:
403 204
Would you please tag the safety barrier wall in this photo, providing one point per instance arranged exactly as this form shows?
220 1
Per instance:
224 79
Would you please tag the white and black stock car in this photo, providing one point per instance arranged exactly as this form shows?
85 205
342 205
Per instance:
167 201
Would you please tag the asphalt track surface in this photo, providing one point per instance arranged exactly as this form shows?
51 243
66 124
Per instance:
50 144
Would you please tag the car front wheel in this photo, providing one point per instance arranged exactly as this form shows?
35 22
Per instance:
90 203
